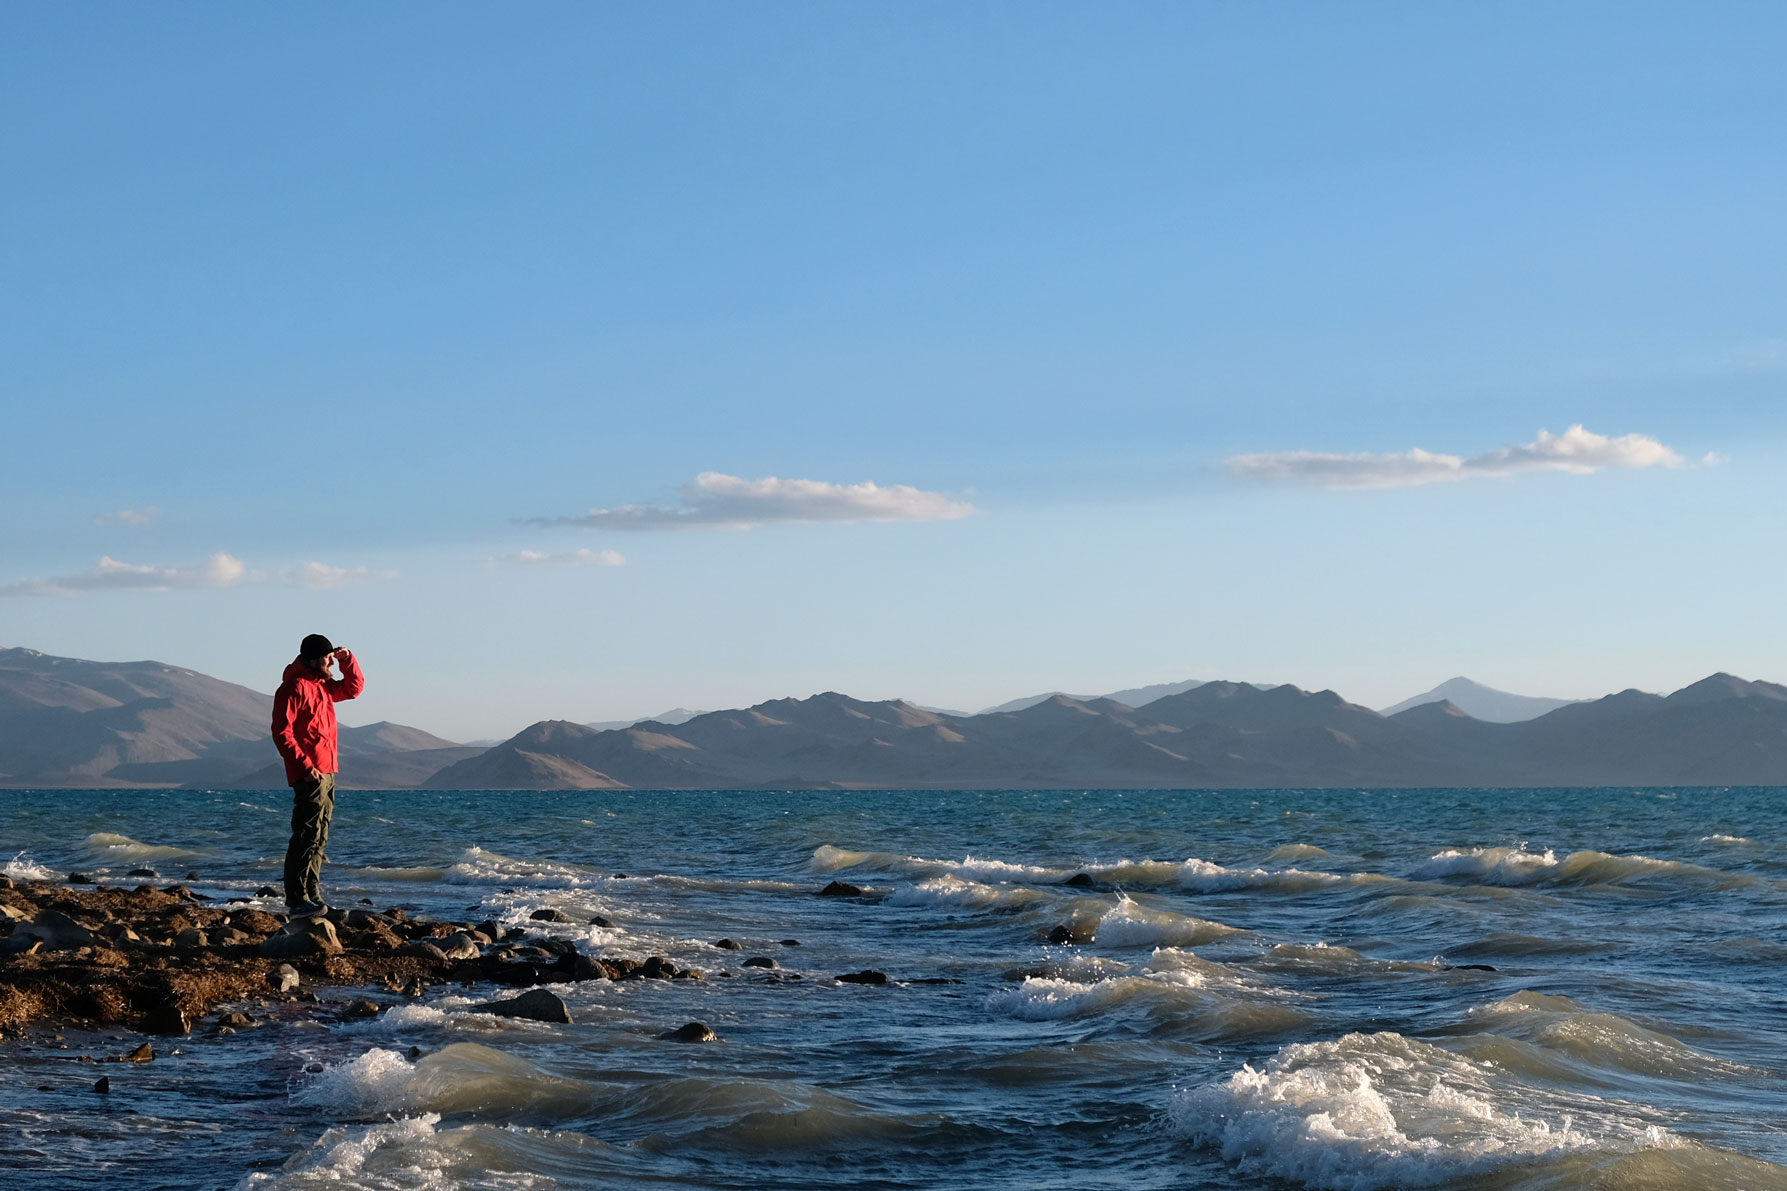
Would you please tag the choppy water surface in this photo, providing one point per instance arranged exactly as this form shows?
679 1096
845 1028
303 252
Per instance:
1459 989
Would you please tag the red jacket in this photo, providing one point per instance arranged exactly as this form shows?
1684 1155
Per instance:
304 715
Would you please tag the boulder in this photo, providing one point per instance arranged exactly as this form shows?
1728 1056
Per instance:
143 872
550 915
534 1005
868 976
425 949
843 889
142 1054
303 937
729 945
229 936
458 946
191 939
267 891
588 969
81 879
602 921
255 922
1079 881
5 881
54 929
695 1031
283 979
1070 935
761 961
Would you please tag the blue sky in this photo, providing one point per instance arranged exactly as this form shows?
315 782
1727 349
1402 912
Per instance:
430 319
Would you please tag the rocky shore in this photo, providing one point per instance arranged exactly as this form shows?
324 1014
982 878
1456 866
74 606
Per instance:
159 959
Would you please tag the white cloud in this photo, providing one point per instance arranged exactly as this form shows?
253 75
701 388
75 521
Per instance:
321 574
1576 451
585 557
716 500
220 570
131 517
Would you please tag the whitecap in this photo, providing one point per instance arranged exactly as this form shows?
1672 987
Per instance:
1131 924
22 868
950 890
462 1077
1371 1112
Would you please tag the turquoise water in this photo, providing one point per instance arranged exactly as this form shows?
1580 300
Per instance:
1276 994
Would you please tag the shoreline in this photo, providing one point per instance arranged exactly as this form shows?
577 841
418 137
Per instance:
158 961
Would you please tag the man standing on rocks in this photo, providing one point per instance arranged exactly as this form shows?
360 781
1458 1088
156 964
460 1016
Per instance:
304 732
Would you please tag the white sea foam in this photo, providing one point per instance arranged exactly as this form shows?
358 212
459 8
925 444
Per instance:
22 868
1517 866
111 848
1047 998
1726 839
1131 924
1195 874
416 1154
949 890
479 866
1370 1112
459 1078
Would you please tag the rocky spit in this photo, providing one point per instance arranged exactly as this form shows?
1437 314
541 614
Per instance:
160 959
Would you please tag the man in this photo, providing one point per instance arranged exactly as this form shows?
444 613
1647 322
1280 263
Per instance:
304 733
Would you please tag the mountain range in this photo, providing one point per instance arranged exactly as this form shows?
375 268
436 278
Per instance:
71 723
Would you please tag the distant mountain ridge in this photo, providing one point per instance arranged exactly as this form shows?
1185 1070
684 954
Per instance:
1483 702
1720 731
65 722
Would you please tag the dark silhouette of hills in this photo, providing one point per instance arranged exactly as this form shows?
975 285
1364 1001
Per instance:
65 722
1720 731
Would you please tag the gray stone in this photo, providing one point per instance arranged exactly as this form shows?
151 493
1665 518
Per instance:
424 948
303 937
55 930
761 961
536 1004
695 1031
284 979
729 945
458 946
550 915
191 939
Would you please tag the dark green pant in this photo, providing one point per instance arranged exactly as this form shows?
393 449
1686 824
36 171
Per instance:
312 805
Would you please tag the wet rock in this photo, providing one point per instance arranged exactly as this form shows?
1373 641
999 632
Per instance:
235 1020
1079 881
556 946
729 945
656 967
143 872
191 939
491 930
585 968
1070 935
283 979
458 946
1473 967
103 1084
5 881
255 922
362 919
55 930
425 949
690 974
843 889
621 969
602 921
192 876
142 1054
81 879
534 1005
791 942
181 891
303 937
359 1010
229 936
266 891
550 915
761 961
868 976
693 1032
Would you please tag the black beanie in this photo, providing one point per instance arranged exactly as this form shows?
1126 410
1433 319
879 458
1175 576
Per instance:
315 646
